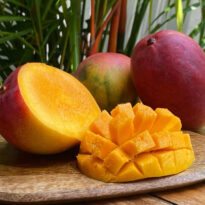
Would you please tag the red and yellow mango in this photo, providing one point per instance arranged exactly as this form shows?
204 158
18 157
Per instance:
44 110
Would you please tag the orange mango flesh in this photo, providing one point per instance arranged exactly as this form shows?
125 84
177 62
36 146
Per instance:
101 125
56 110
152 145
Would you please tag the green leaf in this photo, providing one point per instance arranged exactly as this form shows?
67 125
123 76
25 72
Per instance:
150 15
13 18
202 28
185 10
47 8
164 12
17 3
139 15
12 36
75 31
186 6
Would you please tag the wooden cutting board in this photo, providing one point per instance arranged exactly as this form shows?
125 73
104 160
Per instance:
29 178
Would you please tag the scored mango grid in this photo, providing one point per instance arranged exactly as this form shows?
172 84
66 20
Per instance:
118 152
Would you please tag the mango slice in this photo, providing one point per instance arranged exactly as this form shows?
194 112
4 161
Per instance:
133 144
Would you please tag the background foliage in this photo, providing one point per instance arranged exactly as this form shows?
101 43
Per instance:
59 34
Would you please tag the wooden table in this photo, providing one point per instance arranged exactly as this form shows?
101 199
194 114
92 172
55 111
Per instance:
192 195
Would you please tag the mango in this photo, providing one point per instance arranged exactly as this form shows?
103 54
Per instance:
45 110
107 76
168 70
142 143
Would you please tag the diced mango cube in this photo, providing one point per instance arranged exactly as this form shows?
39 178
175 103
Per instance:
167 161
183 158
162 140
96 145
123 109
143 142
93 168
128 173
149 165
180 140
115 160
121 129
101 125
144 117
165 121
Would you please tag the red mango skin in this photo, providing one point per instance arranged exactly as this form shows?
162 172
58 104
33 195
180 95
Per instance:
12 107
107 76
169 71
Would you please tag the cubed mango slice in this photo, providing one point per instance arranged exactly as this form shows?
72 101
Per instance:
133 144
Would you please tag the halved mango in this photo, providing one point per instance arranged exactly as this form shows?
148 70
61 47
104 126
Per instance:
45 110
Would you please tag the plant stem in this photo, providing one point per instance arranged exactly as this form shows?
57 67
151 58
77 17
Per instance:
112 45
139 15
150 16
186 6
40 32
202 28
102 7
122 25
75 33
83 14
179 14
64 49
95 47
92 21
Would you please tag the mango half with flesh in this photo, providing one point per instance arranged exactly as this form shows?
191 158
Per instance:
133 144
44 110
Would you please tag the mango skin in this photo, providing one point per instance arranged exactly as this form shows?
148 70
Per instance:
169 72
24 130
107 77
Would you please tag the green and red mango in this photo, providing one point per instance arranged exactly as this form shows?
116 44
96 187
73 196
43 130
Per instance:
107 76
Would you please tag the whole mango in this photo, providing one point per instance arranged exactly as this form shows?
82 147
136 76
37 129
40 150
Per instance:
168 70
107 76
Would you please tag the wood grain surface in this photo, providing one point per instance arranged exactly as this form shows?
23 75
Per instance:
183 196
32 178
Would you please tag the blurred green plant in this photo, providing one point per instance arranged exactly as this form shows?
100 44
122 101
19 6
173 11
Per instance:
59 32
